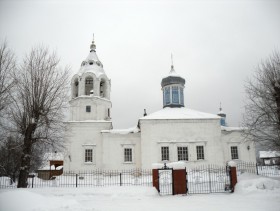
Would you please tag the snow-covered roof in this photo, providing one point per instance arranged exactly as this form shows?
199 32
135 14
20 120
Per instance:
85 121
179 113
93 65
172 73
53 156
52 167
221 112
230 129
269 154
122 131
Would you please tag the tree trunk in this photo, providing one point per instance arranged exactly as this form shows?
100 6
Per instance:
26 158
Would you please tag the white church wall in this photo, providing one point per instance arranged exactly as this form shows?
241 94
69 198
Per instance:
113 150
82 136
99 108
174 133
246 148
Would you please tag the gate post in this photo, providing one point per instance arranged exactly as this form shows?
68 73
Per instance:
232 174
156 179
179 181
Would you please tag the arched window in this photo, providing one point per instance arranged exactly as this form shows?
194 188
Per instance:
76 88
102 88
88 85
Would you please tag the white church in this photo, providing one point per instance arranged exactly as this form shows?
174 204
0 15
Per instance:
174 133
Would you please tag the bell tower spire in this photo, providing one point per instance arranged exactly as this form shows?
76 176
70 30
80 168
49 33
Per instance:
172 65
92 46
222 115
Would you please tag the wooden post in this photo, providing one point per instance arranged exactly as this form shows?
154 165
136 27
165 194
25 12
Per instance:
179 181
233 177
155 179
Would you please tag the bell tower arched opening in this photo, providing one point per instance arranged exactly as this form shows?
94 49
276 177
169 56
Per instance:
102 88
88 85
75 92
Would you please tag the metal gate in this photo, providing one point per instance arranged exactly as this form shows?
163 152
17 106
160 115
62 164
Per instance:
208 179
165 181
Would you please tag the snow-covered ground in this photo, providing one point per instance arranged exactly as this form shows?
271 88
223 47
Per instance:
252 193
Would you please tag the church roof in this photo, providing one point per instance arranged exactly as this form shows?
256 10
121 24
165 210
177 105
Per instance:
231 129
92 64
122 131
269 154
172 72
172 78
179 113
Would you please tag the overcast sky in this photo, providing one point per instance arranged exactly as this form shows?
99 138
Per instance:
216 46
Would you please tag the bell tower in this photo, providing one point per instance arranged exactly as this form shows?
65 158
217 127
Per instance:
90 90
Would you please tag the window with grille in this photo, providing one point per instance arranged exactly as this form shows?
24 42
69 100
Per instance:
88 108
164 153
89 81
234 152
166 95
182 153
127 155
88 155
200 152
175 95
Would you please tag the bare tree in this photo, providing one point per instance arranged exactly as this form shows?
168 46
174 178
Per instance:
7 65
262 111
10 151
38 100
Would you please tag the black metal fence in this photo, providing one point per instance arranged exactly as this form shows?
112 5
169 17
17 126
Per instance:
88 179
201 179
208 179
255 168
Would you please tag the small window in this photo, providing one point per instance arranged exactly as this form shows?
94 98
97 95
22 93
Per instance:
234 152
88 155
164 153
88 108
89 81
127 155
182 153
200 152
109 115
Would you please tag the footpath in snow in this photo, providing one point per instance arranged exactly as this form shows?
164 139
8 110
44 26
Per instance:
252 193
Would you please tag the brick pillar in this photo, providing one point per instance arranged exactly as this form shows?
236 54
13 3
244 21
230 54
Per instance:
180 183
155 179
233 177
